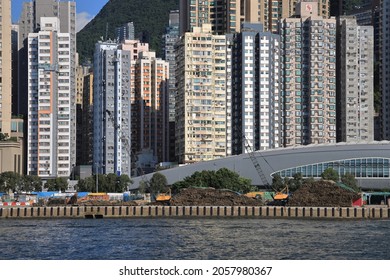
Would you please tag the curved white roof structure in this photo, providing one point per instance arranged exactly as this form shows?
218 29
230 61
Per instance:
369 162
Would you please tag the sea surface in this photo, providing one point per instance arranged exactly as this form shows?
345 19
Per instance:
194 238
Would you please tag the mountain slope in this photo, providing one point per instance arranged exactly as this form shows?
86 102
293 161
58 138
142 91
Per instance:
149 16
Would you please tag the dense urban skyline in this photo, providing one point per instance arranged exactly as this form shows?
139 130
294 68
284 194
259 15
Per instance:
233 79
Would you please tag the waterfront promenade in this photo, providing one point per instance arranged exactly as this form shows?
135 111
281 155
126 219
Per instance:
195 211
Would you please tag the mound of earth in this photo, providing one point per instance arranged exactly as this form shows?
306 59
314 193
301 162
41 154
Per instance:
322 194
212 197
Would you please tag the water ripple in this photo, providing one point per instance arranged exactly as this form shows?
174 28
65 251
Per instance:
181 238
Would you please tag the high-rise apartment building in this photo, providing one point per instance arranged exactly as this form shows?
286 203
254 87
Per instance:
151 106
29 22
309 77
229 95
279 9
355 83
15 39
11 152
201 97
367 13
125 32
135 47
5 67
170 38
255 89
111 110
384 68
81 71
51 102
226 16
87 120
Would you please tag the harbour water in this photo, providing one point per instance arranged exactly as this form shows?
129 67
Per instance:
189 238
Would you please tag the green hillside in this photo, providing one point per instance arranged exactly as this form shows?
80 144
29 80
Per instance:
149 16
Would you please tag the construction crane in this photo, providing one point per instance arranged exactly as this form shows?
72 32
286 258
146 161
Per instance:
256 164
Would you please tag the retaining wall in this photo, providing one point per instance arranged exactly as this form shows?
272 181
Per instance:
193 211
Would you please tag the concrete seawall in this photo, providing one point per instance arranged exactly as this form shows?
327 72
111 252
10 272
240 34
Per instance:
194 211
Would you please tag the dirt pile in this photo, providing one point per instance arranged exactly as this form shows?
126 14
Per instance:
212 197
322 194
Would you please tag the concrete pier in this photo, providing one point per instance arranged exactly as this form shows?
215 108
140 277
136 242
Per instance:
195 211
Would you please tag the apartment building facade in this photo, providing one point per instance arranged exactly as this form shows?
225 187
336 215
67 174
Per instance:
256 70
29 22
279 9
201 98
125 32
355 85
384 67
5 67
170 38
151 106
111 110
50 134
87 121
225 16
309 77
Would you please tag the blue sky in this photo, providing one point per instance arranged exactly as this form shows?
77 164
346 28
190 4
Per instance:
86 10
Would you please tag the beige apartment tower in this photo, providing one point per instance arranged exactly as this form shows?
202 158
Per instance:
11 144
5 67
225 16
201 98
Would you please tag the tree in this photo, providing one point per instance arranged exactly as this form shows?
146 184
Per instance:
19 183
86 185
296 182
57 184
158 183
123 183
330 174
10 180
143 187
221 179
277 182
31 183
106 183
350 180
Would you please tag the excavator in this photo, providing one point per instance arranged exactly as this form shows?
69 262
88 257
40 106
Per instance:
164 198
280 198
